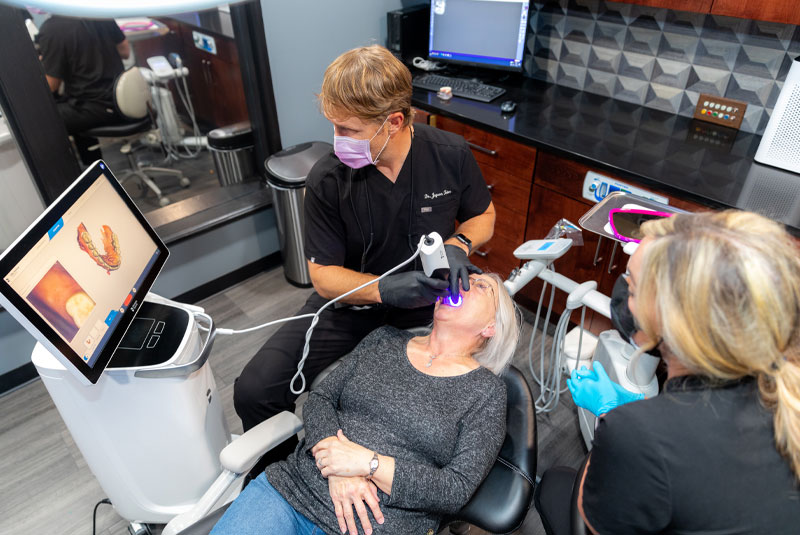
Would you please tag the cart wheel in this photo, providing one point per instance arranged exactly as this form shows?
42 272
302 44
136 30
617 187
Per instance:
163 201
185 182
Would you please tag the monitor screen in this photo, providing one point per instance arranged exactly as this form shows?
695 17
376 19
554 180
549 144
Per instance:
77 275
486 33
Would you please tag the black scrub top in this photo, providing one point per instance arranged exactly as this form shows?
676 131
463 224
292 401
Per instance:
352 214
698 459
83 53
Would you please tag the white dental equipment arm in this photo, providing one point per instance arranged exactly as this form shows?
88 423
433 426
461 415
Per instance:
433 257
631 368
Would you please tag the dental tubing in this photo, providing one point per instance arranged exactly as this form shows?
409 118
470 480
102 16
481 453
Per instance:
428 245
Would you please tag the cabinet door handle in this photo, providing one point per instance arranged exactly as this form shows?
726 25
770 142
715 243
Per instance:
482 254
490 152
597 257
490 187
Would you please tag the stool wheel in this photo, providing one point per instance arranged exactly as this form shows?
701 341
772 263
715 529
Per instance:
185 182
163 201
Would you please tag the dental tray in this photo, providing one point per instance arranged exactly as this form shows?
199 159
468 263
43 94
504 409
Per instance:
596 219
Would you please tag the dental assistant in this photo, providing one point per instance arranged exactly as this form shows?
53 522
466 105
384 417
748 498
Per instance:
367 204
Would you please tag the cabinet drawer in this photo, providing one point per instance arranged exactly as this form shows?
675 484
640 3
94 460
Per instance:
492 150
566 177
509 191
496 255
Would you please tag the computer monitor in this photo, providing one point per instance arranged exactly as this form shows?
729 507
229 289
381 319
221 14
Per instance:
76 277
483 33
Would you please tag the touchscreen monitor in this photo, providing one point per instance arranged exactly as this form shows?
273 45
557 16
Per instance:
76 277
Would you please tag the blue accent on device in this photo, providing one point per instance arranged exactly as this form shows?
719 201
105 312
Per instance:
546 245
55 228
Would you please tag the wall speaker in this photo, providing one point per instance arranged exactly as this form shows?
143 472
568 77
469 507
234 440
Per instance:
780 145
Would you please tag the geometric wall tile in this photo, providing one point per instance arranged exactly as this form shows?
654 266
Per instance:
751 89
604 59
759 61
727 29
571 75
609 36
636 65
718 54
651 18
769 34
642 40
671 73
631 90
663 97
600 82
654 58
678 47
708 80
684 22
579 29
575 53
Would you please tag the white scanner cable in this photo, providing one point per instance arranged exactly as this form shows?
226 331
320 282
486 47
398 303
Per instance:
315 319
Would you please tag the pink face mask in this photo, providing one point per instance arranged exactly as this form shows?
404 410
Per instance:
355 153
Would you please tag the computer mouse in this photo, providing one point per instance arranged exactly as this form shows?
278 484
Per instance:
508 106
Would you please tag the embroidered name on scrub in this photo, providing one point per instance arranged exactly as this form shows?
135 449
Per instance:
437 195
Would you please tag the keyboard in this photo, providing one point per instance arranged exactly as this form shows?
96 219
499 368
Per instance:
461 87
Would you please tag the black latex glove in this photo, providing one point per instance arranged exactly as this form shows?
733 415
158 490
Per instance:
460 268
411 289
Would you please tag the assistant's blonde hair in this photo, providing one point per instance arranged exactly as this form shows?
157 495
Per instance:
368 83
726 293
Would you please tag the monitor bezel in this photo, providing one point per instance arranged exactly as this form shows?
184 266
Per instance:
25 313
477 64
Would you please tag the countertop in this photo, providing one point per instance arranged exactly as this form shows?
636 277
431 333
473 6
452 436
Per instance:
689 159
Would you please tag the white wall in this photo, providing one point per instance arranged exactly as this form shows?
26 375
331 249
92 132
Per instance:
303 37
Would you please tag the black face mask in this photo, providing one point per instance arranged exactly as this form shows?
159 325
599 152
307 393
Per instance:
621 316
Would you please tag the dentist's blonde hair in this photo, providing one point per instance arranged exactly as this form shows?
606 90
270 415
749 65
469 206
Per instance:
726 293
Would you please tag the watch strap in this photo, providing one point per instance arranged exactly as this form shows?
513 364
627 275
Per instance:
466 241
373 464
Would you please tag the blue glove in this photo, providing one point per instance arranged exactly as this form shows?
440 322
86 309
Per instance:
594 391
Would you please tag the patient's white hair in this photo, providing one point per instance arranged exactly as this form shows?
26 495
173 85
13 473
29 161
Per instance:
497 351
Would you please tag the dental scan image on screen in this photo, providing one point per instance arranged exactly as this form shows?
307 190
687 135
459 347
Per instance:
83 273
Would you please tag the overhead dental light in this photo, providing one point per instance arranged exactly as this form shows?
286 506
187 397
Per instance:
116 8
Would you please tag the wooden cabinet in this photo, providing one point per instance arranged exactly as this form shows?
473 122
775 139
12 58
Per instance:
507 167
215 80
785 11
556 194
700 6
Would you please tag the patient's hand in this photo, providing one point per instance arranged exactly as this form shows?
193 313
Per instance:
341 457
349 492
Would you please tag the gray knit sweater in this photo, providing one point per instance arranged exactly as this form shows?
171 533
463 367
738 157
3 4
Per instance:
444 433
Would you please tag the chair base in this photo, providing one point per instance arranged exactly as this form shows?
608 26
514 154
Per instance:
143 174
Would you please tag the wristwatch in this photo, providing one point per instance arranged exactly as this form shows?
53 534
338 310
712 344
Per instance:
373 464
466 241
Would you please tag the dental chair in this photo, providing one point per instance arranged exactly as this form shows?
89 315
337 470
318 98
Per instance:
131 101
577 525
499 505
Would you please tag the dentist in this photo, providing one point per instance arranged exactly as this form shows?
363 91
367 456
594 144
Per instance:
367 204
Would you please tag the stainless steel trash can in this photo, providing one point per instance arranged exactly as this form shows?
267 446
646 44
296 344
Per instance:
232 149
286 175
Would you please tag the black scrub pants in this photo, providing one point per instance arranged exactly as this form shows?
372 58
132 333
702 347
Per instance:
262 389
553 499
81 115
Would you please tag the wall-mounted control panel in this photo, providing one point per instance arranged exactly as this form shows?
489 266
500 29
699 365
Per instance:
597 186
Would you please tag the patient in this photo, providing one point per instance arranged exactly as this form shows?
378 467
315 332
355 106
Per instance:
404 430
